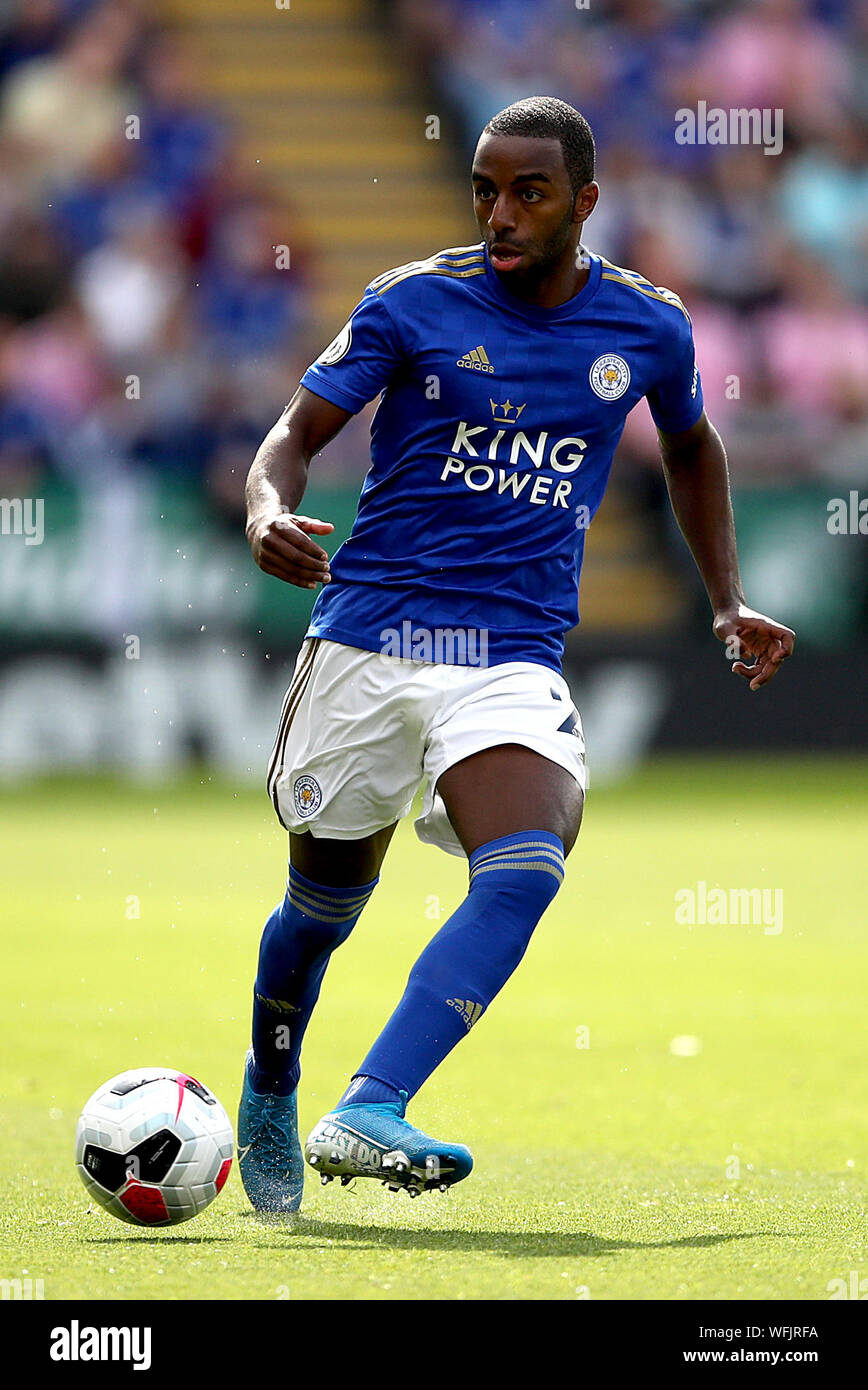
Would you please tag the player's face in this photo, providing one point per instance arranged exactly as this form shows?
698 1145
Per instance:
524 204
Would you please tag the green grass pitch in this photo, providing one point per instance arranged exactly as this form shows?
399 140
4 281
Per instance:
617 1170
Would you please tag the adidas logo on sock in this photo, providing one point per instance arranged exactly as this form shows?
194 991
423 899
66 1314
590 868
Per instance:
469 1010
355 1085
476 360
280 1006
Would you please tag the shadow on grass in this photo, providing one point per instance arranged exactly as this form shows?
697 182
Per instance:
512 1244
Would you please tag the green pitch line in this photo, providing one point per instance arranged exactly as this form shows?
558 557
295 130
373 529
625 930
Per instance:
607 1165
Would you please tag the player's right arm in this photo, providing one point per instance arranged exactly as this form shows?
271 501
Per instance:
280 539
354 368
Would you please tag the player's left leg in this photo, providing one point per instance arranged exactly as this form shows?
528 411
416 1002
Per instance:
517 814
507 789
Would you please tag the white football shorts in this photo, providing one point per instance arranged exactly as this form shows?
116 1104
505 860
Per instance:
360 731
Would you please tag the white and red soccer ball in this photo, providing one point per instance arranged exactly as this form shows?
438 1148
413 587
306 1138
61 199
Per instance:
153 1146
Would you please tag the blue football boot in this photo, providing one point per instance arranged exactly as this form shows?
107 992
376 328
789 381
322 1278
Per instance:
269 1154
375 1141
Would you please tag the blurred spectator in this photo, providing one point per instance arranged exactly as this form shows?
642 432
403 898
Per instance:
33 32
182 140
823 200
765 441
815 342
60 109
33 267
249 303
844 457
53 367
486 53
857 56
733 229
131 285
774 53
145 319
84 212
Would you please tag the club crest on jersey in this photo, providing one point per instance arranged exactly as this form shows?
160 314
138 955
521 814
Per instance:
337 348
609 377
308 795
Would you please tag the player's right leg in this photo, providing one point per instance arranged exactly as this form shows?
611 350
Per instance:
340 798
320 909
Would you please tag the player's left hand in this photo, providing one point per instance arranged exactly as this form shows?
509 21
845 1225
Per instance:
751 634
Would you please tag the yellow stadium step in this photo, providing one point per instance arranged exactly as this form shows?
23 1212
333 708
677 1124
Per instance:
342 48
338 126
256 79
316 119
209 12
336 203
300 153
385 237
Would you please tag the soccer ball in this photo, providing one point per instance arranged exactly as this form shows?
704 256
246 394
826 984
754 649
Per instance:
153 1146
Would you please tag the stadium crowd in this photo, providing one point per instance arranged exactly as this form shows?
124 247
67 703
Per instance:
144 320
136 244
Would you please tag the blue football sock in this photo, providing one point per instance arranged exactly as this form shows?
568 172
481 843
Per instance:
512 881
367 1090
297 943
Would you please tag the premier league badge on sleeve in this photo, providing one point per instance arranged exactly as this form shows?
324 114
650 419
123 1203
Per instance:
610 377
337 348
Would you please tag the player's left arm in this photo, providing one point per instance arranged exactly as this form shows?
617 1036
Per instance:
697 477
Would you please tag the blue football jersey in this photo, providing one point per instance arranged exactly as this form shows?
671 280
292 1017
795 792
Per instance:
490 450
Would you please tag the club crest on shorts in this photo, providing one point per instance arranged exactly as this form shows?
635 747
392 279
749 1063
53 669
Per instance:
609 376
308 795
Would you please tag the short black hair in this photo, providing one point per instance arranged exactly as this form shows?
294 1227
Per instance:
547 118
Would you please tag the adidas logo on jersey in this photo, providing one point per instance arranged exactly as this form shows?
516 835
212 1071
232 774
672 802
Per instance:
476 360
469 1010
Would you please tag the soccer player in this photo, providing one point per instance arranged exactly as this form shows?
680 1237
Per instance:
434 649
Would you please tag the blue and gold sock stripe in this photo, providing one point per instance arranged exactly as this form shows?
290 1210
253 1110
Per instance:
331 905
521 854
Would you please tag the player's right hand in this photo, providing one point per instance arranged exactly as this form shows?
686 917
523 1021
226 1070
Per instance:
282 546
